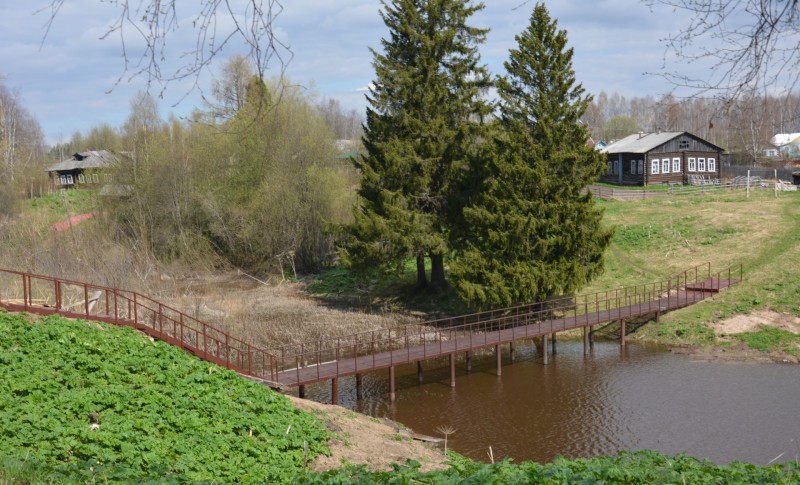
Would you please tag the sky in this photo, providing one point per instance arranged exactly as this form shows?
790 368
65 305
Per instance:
73 79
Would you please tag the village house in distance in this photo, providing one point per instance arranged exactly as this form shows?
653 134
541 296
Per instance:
674 157
89 168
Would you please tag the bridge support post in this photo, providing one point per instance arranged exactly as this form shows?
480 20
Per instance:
301 391
359 388
544 348
392 393
553 343
452 370
622 333
468 359
591 337
498 353
419 371
585 340
335 390
511 352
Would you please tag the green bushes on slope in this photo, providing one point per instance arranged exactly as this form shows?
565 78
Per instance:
92 401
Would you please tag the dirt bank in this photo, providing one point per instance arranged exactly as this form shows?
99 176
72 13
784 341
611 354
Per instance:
376 443
734 350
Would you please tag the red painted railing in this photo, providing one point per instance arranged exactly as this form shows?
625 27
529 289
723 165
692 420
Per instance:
479 330
47 295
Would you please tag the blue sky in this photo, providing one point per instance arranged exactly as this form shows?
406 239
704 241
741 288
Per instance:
65 79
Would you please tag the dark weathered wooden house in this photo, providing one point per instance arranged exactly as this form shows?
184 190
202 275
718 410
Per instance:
667 157
85 168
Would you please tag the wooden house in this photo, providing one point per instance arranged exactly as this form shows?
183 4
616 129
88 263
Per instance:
89 168
666 157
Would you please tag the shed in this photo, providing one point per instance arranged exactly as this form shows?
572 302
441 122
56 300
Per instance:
83 168
665 157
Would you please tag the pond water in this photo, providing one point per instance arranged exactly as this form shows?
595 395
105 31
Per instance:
639 397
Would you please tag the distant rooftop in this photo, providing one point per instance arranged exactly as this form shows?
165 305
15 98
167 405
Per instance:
84 160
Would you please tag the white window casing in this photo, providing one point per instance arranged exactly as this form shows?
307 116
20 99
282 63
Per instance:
654 166
676 165
665 165
692 164
712 165
701 164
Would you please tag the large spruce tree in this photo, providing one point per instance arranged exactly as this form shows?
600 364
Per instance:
534 233
424 116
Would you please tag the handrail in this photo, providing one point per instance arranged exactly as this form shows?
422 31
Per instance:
47 295
607 305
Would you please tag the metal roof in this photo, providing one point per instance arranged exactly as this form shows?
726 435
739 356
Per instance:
84 160
641 142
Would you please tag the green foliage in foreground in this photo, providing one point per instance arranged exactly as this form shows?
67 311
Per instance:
642 467
158 412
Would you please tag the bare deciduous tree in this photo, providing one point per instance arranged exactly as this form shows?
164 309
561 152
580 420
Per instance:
747 44
216 24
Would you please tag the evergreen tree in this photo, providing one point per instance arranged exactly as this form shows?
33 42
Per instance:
534 234
424 116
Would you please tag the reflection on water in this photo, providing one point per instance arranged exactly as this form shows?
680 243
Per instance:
616 399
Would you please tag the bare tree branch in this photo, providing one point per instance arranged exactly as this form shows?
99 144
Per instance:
216 24
747 44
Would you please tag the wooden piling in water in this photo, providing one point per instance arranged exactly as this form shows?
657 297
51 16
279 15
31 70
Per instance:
553 343
498 360
452 370
544 348
419 372
622 333
359 388
392 393
335 390
468 359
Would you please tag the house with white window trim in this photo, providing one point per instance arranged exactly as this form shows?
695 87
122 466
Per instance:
662 157
88 168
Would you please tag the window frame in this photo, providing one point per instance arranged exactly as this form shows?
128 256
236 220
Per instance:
691 164
711 164
640 167
665 165
676 165
655 166
701 164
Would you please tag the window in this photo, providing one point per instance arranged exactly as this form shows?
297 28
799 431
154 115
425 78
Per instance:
692 165
654 164
69 179
610 167
712 165
633 166
62 180
701 164
676 165
95 178
81 179
683 145
641 167
665 165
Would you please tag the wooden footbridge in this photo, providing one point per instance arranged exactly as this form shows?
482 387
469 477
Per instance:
357 354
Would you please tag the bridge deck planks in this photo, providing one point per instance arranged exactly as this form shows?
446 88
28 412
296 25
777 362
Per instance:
381 360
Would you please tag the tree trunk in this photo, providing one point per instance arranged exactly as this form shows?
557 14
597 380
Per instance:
422 279
437 271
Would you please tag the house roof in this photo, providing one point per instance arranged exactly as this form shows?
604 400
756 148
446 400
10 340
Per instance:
641 142
84 160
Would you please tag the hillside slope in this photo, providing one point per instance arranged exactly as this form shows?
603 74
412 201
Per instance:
99 402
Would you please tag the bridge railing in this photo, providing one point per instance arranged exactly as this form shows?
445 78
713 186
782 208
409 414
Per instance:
46 295
438 337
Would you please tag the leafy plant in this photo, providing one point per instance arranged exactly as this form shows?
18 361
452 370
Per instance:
98 402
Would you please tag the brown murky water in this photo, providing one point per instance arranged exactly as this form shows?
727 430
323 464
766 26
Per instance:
632 399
